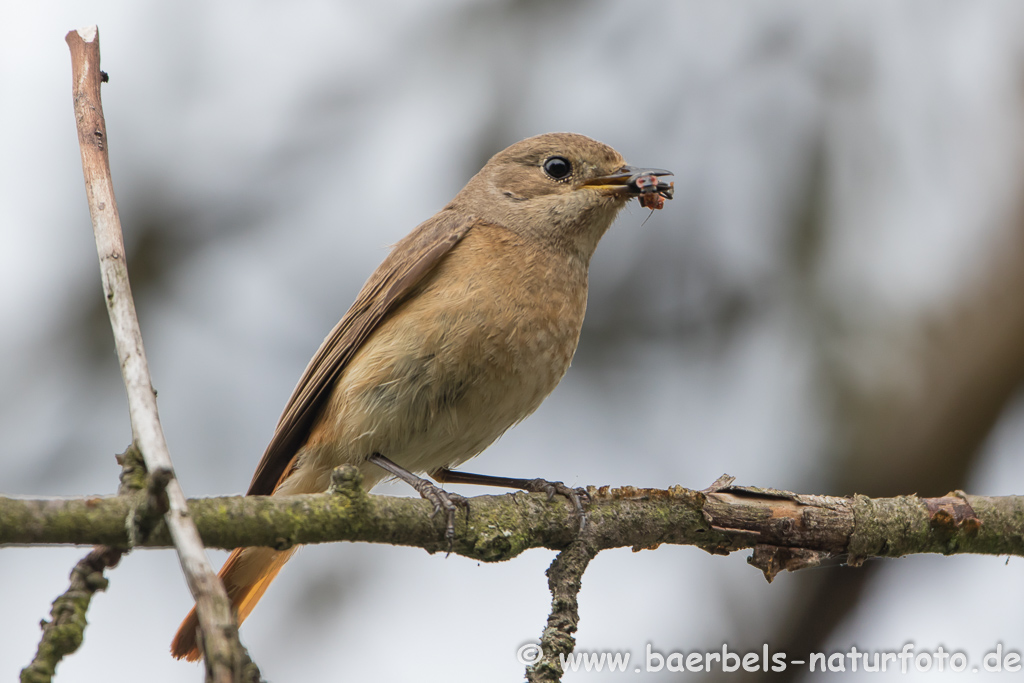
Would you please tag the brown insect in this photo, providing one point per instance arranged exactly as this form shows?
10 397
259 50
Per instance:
652 201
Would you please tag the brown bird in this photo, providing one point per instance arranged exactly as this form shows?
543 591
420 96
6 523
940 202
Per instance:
467 325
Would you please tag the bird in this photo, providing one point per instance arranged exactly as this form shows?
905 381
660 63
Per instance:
466 326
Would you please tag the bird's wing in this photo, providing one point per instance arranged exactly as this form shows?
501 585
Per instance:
410 260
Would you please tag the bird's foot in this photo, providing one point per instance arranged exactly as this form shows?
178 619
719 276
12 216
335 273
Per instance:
441 499
577 496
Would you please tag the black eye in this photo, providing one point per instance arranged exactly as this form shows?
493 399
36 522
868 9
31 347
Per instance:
558 168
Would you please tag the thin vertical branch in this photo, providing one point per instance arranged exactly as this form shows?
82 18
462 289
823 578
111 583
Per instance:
224 655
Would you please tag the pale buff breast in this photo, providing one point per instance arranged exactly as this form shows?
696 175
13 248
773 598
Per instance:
457 364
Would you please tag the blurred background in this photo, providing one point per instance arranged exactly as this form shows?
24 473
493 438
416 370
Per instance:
831 304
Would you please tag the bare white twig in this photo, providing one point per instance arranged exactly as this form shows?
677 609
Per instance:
223 653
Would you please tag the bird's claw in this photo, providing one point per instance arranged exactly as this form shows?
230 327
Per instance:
442 499
577 496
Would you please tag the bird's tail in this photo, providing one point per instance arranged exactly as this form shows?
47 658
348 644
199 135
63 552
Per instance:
246 575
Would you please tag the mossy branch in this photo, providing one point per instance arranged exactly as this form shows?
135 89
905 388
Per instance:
565 578
786 530
63 634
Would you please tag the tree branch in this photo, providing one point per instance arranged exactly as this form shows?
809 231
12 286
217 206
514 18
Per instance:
565 577
63 634
223 652
787 531
779 525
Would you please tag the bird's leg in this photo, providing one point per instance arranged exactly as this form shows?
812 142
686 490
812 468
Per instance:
440 498
577 496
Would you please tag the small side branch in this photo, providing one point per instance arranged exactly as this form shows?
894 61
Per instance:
565 576
63 634
223 652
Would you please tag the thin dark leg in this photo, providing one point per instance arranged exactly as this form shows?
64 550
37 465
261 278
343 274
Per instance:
576 496
441 499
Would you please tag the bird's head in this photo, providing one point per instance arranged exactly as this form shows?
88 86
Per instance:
562 188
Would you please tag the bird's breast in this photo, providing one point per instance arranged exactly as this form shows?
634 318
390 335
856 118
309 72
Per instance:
473 350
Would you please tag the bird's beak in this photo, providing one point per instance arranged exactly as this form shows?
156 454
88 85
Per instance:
631 181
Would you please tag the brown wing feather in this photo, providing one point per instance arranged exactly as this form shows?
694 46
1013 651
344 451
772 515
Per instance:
411 259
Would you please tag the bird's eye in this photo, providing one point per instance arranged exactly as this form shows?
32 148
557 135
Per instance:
558 168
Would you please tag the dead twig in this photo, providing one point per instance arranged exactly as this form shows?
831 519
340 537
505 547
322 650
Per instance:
224 654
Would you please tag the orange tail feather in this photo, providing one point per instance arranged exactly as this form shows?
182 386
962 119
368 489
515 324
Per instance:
245 575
